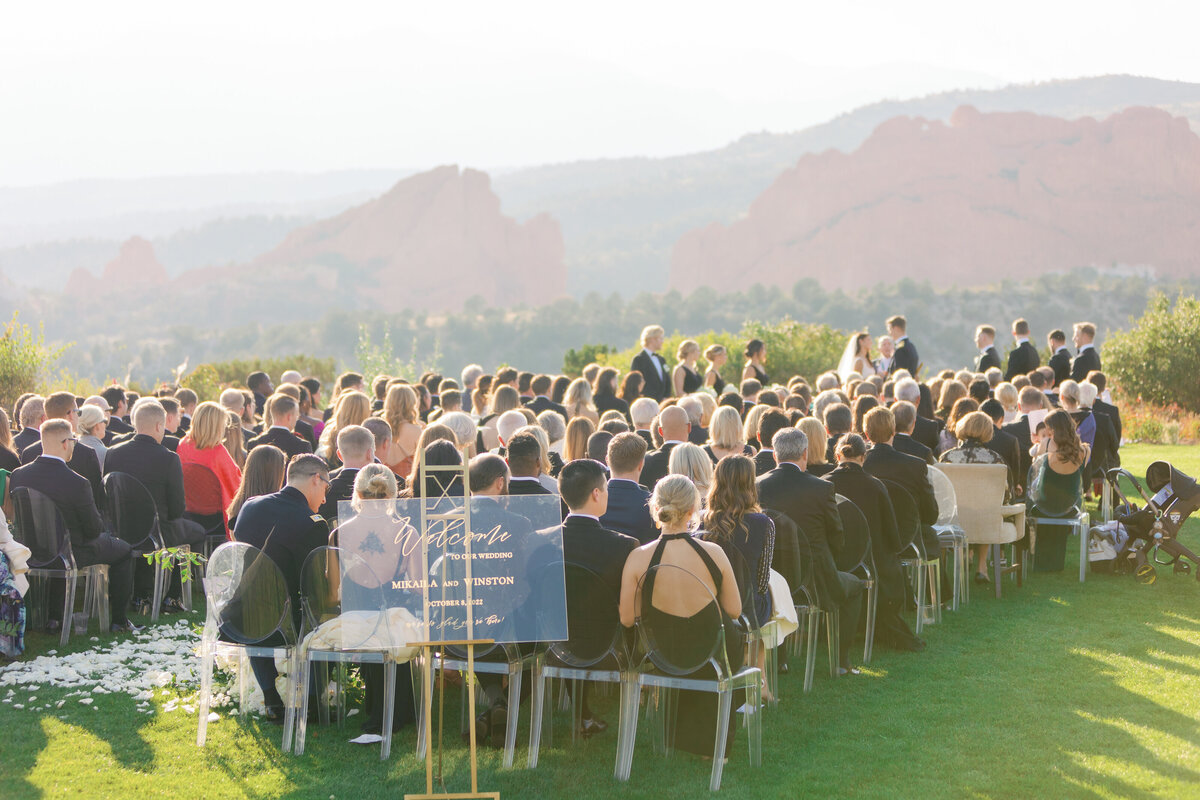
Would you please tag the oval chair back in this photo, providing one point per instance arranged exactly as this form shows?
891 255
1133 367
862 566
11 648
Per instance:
593 620
248 596
134 514
41 528
683 643
856 536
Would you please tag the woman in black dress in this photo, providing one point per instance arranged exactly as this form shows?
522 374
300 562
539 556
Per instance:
716 357
685 378
604 393
631 387
756 357
735 521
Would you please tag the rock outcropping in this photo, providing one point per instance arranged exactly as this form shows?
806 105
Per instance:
983 198
135 268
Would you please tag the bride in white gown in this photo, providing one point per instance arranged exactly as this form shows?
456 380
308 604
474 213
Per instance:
856 359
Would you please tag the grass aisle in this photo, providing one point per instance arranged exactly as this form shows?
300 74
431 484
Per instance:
1058 690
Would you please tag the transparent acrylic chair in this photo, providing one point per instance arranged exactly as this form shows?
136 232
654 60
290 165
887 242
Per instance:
346 620
858 558
685 652
952 536
595 651
135 520
249 614
924 571
39 526
1048 510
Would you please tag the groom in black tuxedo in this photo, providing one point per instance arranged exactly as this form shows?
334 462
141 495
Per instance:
1024 358
653 366
985 340
906 352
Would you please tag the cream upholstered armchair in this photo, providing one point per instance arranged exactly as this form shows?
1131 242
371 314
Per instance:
983 514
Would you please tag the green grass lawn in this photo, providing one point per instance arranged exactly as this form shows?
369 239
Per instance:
1059 689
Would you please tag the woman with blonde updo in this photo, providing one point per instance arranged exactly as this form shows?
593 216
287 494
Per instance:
681 605
578 401
716 356
685 377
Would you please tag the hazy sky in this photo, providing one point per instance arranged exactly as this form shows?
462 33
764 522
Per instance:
130 89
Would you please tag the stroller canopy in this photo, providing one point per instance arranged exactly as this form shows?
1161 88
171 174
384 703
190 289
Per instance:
1184 487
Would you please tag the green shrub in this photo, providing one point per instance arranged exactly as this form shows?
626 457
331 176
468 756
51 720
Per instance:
1158 359
204 381
234 373
25 361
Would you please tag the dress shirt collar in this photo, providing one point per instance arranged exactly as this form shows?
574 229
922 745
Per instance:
581 515
1022 340
900 339
791 464
611 481
1087 346
55 458
1060 349
983 351
671 441
522 478
279 428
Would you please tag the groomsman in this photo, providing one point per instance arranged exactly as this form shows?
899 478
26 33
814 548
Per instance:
1089 357
653 366
906 352
1024 358
985 340
1060 357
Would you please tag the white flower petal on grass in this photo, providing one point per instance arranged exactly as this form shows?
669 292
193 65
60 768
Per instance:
87 701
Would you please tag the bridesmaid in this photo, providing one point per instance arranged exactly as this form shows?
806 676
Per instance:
756 357
686 378
716 357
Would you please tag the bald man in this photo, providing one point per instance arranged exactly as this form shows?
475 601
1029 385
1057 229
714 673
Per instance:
673 427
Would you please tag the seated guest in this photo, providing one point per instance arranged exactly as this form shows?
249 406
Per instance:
673 426
82 460
579 430
352 408
286 526
234 442
30 414
464 428
809 502
187 400
119 407
1029 399
507 424
504 398
628 509
725 435
734 520
952 391
979 390
862 404
1060 486
578 401
948 440
1103 438
888 464
524 454
614 424
234 401
9 459
174 420
871 498
1004 445
73 496
383 439
642 412
750 390
698 435
309 405
769 424
264 473
260 384
973 433
555 426
631 387
302 428
203 445
839 420
926 430
1006 396
750 424
691 461
906 418
284 411
548 468
1101 406
93 424
597 446
604 392
356 449
817 446
680 601
346 382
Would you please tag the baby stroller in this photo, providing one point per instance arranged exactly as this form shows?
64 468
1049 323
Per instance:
1153 530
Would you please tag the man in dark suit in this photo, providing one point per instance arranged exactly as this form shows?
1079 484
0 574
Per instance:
260 384
1004 444
72 495
810 503
839 420
628 509
83 459
906 356
906 416
1089 357
187 400
769 424
1100 406
524 454
653 366
355 449
1028 399
1023 358
118 408
673 426
926 430
985 340
886 463
540 386
170 407
1060 357
286 526
643 412
586 542
284 413
32 415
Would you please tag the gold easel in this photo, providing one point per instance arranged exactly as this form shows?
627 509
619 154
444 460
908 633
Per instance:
461 471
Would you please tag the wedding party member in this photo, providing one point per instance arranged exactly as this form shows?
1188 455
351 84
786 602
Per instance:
756 359
286 526
203 445
1088 358
810 503
716 356
72 494
856 358
989 357
604 393
628 509
82 459
685 378
1060 357
284 412
678 603
673 426
1023 358
887 351
651 365
906 356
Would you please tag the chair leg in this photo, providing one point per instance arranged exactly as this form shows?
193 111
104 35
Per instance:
514 709
206 675
872 608
186 585
68 620
156 602
103 612
389 706
1082 525
536 702
810 658
920 597
833 640
627 726
725 700
997 572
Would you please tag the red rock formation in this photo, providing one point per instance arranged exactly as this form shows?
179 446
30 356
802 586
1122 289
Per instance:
431 242
985 197
135 267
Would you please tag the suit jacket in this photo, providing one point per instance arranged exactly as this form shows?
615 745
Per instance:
610 402
156 467
168 441
927 431
1104 446
1114 415
341 487
647 437
655 387
70 492
305 432
520 486
1019 430
906 357
117 427
542 403
809 502
289 443
26 437
871 497
1087 360
285 528
764 462
910 446
1060 362
987 359
84 462
885 462
1005 445
698 436
629 511
655 467
1022 360
587 543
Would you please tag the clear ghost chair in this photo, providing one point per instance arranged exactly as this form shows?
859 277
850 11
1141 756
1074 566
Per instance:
924 571
858 558
950 533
